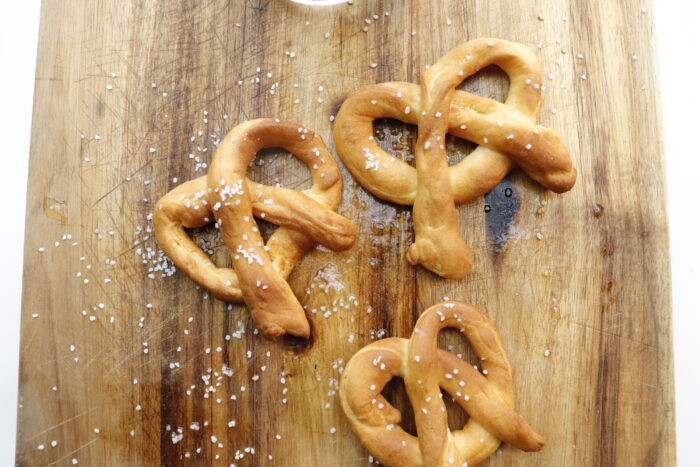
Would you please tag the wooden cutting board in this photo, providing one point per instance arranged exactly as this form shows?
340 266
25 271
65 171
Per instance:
119 368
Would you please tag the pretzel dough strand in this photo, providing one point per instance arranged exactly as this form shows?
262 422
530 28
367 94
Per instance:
438 245
305 218
488 397
506 134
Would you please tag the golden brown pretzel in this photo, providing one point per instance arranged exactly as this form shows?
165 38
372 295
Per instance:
259 271
487 397
507 134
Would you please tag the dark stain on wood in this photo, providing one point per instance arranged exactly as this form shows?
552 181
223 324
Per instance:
501 207
395 393
609 363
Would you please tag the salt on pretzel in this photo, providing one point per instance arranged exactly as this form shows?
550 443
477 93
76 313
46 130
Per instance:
487 396
507 134
259 271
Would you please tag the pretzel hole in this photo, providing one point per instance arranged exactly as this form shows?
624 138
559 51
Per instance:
490 82
208 238
457 149
456 417
398 139
278 167
265 228
453 341
395 393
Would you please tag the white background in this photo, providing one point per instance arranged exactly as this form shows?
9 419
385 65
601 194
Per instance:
679 50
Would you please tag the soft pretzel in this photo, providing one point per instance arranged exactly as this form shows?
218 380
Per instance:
507 134
259 271
487 396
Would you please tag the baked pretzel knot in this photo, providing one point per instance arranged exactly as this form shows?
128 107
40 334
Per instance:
507 134
425 369
259 271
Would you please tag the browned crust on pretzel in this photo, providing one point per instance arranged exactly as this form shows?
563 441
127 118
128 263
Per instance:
507 134
489 402
305 218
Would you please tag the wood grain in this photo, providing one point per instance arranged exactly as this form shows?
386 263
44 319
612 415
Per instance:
584 275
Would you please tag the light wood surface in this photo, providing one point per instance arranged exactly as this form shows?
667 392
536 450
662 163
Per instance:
583 275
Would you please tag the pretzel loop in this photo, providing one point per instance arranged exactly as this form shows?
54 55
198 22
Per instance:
259 271
507 134
487 398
